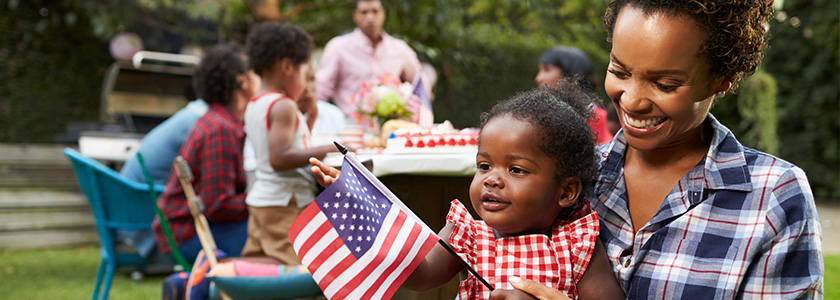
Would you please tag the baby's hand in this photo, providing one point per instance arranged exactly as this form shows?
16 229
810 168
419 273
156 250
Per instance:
324 174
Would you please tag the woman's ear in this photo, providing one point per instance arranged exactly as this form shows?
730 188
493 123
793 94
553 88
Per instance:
569 191
725 84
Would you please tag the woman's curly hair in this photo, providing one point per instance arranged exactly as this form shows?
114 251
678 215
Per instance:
215 76
559 114
736 29
270 43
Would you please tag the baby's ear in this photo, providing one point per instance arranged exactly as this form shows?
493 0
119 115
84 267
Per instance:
568 191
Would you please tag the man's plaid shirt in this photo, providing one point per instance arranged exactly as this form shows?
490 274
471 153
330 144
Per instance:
214 153
740 224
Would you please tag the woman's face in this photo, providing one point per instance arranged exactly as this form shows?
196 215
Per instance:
661 88
515 189
549 75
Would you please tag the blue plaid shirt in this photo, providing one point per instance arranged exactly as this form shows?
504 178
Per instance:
740 224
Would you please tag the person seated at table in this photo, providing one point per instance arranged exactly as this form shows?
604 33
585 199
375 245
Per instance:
534 165
329 119
560 62
279 53
160 146
214 153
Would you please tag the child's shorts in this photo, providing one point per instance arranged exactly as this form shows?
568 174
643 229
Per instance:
268 232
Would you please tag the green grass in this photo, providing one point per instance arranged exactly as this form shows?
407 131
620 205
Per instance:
69 273
65 273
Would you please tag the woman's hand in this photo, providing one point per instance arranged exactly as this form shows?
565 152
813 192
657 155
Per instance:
324 174
527 289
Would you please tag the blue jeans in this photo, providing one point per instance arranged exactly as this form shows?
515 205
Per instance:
230 238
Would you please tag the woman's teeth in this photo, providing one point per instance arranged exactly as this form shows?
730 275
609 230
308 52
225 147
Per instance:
644 123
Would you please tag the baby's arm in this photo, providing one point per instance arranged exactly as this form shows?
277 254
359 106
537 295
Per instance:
324 174
438 268
283 119
598 281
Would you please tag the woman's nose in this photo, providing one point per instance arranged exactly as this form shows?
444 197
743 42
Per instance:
635 97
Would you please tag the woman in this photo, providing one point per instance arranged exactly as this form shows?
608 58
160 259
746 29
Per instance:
686 210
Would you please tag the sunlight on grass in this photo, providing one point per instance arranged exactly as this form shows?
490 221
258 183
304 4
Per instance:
65 273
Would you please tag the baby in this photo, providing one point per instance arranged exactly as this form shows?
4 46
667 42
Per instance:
535 163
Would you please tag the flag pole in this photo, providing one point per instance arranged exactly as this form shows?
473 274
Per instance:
396 201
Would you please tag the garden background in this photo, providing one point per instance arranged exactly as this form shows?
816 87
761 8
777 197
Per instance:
53 56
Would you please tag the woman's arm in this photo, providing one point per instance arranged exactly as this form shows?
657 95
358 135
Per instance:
438 268
598 281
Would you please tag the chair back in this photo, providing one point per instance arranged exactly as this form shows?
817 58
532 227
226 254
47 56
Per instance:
117 202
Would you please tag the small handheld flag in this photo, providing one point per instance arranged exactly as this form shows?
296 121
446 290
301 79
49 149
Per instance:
358 240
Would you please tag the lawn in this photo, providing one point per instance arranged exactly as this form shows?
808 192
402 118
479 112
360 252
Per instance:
68 273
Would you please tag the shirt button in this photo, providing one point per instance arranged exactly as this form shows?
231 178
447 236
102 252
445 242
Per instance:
627 263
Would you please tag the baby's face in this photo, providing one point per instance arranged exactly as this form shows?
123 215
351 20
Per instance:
515 189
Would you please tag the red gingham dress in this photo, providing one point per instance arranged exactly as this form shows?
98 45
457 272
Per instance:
557 261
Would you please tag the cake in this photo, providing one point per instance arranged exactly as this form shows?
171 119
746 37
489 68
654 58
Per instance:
439 139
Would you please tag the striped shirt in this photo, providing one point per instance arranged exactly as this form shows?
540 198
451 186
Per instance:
740 224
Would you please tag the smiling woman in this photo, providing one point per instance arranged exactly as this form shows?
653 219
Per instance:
686 210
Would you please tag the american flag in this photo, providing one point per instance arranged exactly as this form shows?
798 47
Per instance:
357 239
420 105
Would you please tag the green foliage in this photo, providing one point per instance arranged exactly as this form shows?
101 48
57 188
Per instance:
51 68
751 112
805 60
484 51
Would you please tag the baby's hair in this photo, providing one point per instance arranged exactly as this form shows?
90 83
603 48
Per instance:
559 114
271 42
215 77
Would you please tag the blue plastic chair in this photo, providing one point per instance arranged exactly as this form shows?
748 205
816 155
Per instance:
117 203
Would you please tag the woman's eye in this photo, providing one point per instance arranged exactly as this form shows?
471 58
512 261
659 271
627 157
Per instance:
617 73
666 88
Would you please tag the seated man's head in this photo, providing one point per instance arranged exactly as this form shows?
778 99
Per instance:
369 16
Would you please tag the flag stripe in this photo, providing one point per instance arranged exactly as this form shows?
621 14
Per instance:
371 260
310 243
325 255
377 285
364 257
426 245
306 215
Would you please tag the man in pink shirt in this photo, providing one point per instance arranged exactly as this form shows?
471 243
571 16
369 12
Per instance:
365 53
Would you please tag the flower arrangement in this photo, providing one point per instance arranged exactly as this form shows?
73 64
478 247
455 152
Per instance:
380 100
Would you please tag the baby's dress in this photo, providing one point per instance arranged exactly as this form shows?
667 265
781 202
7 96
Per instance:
557 261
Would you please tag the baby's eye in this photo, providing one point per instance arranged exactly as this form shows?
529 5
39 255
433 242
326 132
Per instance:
517 171
482 166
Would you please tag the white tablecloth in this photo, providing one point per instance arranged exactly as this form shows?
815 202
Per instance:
440 164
